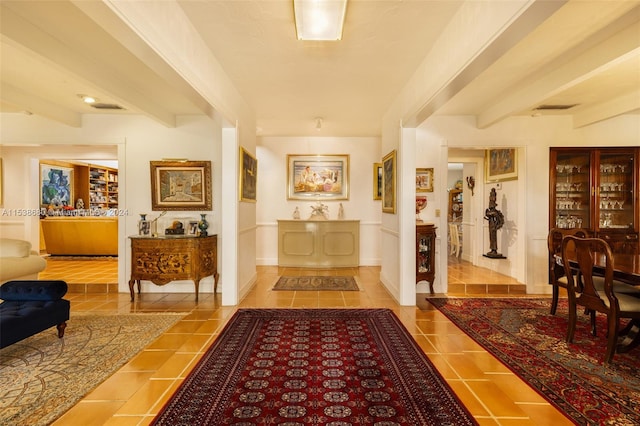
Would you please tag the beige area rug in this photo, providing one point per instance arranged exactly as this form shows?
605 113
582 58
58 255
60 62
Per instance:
42 376
316 283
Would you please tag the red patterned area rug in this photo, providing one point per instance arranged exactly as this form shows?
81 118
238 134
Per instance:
314 367
531 342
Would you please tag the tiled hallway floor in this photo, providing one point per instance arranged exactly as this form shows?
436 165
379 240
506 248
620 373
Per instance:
134 394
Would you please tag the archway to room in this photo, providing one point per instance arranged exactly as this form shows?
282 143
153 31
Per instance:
78 230
468 271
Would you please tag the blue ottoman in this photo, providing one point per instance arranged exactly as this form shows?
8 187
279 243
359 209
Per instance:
30 307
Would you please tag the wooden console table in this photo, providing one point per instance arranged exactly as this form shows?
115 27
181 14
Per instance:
168 258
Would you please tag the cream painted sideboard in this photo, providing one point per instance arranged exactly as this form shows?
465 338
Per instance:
319 243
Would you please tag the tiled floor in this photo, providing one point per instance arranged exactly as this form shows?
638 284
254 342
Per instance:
134 394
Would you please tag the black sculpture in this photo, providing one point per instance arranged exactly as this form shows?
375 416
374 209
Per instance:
496 221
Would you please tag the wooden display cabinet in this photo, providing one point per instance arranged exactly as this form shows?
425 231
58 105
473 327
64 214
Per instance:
426 254
169 258
455 205
596 189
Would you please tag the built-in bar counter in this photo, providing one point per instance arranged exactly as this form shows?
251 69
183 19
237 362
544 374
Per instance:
80 236
319 243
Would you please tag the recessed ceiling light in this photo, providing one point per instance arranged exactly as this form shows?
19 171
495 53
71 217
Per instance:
87 99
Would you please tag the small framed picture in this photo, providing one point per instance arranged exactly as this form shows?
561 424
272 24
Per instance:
424 180
377 181
501 164
389 183
248 176
193 227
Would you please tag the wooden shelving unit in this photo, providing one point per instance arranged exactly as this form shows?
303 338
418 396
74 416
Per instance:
103 187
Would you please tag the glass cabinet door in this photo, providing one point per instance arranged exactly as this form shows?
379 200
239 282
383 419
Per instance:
614 191
572 189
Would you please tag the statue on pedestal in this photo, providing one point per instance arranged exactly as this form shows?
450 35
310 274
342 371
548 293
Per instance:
496 221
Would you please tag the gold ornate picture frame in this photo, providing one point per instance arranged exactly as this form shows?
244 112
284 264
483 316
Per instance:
180 185
424 179
248 176
501 164
318 177
377 181
389 183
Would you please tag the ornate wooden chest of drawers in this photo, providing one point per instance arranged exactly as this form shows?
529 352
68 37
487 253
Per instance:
168 258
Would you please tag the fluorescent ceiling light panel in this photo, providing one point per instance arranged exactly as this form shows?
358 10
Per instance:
319 19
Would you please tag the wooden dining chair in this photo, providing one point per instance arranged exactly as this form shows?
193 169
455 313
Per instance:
556 271
615 306
454 240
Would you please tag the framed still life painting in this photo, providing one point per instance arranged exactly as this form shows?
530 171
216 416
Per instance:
180 185
317 177
389 183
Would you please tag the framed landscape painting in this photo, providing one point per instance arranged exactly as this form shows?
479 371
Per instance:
317 177
501 164
248 176
389 183
180 185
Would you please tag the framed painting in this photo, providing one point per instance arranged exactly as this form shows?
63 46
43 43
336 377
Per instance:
180 185
56 185
377 181
501 164
317 177
389 183
248 176
424 180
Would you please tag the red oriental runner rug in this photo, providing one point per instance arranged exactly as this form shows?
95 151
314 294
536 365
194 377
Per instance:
522 334
314 367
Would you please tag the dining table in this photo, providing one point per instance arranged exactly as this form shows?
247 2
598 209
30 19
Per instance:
626 268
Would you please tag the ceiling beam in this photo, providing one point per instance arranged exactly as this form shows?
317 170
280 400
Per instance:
547 83
523 25
32 104
116 27
627 103
71 57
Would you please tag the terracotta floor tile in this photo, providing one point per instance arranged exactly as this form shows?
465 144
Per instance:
492 393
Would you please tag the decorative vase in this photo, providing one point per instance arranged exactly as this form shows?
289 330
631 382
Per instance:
421 203
203 224
144 226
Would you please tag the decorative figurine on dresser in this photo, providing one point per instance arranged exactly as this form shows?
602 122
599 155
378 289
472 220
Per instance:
426 253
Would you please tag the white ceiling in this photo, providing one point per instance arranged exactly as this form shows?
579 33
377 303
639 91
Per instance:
586 53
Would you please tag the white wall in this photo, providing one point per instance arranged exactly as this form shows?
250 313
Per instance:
273 204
